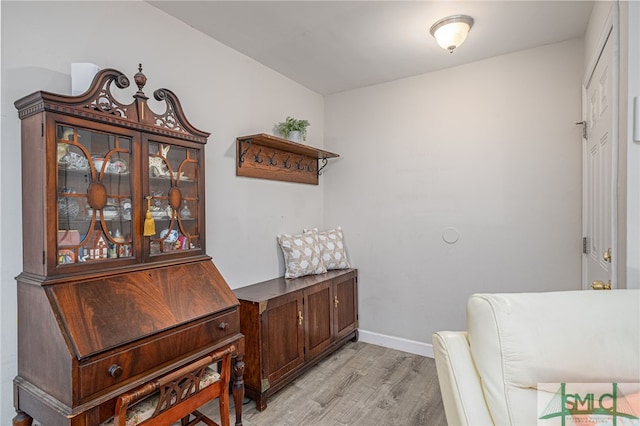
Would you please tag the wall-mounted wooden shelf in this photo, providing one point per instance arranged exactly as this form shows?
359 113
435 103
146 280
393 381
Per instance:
269 157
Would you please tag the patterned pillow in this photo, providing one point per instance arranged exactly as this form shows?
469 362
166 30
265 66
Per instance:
301 254
334 255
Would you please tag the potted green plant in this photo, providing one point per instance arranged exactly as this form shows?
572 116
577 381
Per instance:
293 129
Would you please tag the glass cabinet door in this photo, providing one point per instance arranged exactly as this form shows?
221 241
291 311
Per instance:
173 200
94 192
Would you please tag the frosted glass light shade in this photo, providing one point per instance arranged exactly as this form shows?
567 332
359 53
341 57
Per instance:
452 31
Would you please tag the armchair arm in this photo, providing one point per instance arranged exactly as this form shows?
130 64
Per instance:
460 385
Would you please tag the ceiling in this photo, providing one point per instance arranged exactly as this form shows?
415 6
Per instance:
332 46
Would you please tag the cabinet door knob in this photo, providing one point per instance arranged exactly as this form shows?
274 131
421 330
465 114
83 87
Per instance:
115 371
223 325
300 318
336 302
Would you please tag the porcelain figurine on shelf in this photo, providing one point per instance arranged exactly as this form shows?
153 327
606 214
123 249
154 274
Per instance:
157 165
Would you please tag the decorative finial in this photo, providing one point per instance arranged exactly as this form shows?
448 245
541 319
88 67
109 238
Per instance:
140 79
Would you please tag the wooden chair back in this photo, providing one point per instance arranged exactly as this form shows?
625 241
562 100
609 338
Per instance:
179 394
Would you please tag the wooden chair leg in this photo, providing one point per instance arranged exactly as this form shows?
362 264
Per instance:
223 401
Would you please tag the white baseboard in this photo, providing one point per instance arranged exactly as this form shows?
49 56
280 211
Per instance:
398 343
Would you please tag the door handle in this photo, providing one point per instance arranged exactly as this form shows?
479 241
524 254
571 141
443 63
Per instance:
607 255
300 318
601 285
336 301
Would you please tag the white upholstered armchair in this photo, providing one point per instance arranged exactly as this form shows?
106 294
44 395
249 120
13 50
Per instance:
490 374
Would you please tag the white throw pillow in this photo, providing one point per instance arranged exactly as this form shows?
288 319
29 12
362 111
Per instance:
301 254
334 254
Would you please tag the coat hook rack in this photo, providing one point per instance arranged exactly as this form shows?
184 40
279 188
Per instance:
286 163
310 165
257 158
281 155
273 162
243 153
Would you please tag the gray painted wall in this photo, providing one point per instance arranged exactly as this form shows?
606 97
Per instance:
489 149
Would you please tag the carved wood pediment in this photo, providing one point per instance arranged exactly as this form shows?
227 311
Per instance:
98 103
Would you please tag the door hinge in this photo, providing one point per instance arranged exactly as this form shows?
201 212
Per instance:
584 128
42 129
585 245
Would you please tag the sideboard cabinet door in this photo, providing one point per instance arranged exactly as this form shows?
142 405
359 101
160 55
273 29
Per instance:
319 318
283 336
345 305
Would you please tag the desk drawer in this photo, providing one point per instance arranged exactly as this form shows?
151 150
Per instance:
100 374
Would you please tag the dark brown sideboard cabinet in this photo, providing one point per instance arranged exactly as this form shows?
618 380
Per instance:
116 288
292 324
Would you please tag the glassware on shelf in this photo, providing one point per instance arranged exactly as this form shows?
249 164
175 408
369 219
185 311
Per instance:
185 213
75 161
68 207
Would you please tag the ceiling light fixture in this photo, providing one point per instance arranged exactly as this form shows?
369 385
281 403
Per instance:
451 32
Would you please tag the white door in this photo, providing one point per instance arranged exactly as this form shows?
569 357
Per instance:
599 165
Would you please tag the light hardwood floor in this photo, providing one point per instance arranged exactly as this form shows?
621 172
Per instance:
359 385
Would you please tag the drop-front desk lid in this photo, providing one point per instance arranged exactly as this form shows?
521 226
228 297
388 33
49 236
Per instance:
111 311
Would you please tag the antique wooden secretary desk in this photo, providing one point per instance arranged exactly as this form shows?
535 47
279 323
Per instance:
116 288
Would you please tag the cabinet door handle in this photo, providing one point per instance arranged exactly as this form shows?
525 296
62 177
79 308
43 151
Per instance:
336 301
300 318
